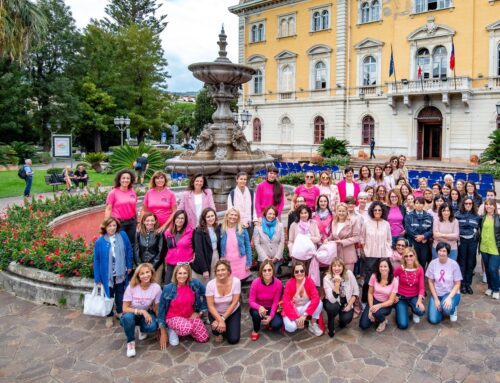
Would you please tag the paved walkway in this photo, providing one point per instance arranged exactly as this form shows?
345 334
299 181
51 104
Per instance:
51 344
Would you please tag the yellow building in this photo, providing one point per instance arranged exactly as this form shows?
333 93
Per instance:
323 69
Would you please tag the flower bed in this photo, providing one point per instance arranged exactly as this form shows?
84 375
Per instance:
26 238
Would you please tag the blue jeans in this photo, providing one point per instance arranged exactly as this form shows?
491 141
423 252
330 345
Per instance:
275 324
29 182
467 252
491 264
117 292
436 316
453 254
402 310
365 322
130 320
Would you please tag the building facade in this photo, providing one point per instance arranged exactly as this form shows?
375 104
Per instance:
323 69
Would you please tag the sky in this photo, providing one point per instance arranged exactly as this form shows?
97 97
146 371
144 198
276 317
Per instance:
190 36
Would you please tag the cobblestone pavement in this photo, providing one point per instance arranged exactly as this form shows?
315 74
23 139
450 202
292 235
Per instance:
51 344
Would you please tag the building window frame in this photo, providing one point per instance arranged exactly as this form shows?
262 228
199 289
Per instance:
258 82
257 62
257 31
321 18
369 71
286 80
422 6
286 129
369 11
287 24
319 130
367 129
257 130
319 54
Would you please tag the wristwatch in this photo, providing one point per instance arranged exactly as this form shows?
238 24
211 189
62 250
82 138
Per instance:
224 319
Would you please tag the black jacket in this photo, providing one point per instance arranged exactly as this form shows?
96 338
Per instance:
496 219
203 250
149 248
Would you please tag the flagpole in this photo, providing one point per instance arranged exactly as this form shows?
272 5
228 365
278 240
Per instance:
421 75
394 69
454 72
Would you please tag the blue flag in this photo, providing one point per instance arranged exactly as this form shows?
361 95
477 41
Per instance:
391 65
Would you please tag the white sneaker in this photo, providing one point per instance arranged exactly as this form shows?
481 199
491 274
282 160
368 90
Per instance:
416 318
314 329
454 316
495 295
130 349
142 335
485 280
488 292
173 339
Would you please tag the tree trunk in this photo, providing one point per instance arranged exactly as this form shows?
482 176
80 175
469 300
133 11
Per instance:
140 136
97 142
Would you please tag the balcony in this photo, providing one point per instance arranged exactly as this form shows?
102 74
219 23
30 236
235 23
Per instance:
370 90
443 86
494 82
286 95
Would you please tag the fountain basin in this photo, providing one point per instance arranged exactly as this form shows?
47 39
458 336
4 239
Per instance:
227 73
191 167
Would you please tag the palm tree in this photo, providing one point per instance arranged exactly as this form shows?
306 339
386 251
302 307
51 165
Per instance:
22 25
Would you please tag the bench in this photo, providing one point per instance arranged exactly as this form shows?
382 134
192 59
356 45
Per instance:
49 180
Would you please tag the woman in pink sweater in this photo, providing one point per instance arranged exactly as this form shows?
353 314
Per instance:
179 242
264 297
300 301
345 233
445 229
411 289
269 193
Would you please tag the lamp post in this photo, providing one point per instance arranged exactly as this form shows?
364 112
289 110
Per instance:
122 123
246 116
498 108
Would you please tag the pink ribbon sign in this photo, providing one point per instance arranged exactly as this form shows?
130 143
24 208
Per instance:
441 276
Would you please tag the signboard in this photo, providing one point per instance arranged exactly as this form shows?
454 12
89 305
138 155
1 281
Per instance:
163 137
61 145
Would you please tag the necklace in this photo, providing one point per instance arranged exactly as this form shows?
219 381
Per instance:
413 274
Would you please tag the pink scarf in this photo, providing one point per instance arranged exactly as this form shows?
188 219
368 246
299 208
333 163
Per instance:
304 227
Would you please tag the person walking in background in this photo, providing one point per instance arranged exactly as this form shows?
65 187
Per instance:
141 166
27 167
372 148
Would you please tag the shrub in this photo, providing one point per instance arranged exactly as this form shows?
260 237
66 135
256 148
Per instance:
44 157
23 150
294 179
95 160
490 168
168 154
338 161
331 147
123 158
55 170
8 155
492 152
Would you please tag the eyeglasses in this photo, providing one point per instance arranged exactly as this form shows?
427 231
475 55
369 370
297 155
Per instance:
467 203
394 196
309 176
301 271
377 210
409 256
267 270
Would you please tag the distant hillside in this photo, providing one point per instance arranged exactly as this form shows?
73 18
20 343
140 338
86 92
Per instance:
183 94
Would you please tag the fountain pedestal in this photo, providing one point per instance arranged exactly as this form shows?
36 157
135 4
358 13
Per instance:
222 151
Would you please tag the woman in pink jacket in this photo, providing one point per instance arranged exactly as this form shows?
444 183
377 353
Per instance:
195 199
348 187
269 193
178 238
345 233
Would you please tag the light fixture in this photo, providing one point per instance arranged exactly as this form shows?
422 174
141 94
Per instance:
498 108
235 117
361 95
404 81
121 123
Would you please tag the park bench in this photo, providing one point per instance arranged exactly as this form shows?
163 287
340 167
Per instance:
56 181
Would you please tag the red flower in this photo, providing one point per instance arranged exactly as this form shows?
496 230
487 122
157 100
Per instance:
61 275
40 196
31 263
77 257
48 258
21 261
56 252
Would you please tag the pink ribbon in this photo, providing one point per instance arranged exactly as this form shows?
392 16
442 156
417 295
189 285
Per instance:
441 276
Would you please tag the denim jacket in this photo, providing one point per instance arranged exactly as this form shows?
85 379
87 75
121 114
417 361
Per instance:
418 224
243 245
170 293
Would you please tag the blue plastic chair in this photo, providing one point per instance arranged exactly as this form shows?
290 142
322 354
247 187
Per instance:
487 178
460 176
413 174
473 177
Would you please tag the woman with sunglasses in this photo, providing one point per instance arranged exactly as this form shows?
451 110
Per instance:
348 187
160 201
396 215
345 233
270 192
263 299
365 178
490 247
411 289
327 188
308 190
341 290
397 254
381 296
269 239
179 241
389 181
445 229
301 301
468 227
376 240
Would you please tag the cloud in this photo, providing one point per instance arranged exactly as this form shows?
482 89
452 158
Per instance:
191 34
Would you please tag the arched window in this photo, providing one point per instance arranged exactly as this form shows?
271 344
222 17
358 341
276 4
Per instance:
325 15
424 62
286 130
254 34
291 26
369 71
258 82
320 75
286 79
319 130
261 32
257 130
316 21
284 28
368 130
439 62
375 10
365 12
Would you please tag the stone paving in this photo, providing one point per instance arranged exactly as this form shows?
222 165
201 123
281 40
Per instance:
52 344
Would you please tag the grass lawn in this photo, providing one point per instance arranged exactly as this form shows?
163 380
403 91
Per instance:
12 186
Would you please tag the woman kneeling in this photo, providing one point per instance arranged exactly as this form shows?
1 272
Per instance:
301 300
181 305
444 278
264 297
382 291
140 305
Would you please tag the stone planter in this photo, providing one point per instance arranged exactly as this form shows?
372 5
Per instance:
44 287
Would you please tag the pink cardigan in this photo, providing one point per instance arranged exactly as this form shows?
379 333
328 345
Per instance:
342 190
289 309
348 236
187 204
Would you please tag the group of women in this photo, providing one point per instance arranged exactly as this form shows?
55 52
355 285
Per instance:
375 227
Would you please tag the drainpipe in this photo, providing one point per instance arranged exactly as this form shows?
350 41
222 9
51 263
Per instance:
348 71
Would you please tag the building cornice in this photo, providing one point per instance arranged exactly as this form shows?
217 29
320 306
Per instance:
253 6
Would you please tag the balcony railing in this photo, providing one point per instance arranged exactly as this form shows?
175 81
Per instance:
430 85
494 82
286 96
370 90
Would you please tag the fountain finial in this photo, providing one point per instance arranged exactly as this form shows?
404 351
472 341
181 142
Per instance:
222 47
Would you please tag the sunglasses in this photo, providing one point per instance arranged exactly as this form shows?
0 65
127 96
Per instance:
267 270
409 256
301 271
325 178
467 203
377 210
309 176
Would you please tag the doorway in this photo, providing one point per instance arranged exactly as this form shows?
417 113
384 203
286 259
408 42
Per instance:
429 134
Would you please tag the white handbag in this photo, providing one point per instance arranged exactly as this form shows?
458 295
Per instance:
97 303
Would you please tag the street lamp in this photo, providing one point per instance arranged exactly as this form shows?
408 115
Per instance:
121 123
498 108
235 117
246 116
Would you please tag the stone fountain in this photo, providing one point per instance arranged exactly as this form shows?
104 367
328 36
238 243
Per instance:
223 149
